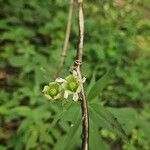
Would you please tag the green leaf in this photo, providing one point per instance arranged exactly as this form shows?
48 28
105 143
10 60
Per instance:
99 122
47 138
110 119
3 147
22 111
71 112
25 124
59 115
100 84
18 61
32 141
91 84
126 116
96 141
17 34
69 138
3 110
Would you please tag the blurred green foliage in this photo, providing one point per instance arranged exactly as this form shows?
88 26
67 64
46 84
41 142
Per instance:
31 39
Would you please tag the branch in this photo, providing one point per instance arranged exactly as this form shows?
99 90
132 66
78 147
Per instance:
77 67
67 36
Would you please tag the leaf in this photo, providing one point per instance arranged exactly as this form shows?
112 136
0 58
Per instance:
96 141
3 147
22 111
18 61
71 112
92 82
144 125
59 115
47 138
17 34
100 84
110 119
25 124
99 122
32 141
127 116
3 110
68 139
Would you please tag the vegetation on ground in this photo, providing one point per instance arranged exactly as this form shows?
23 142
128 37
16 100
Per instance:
116 64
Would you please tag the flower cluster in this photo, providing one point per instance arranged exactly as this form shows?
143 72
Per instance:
71 85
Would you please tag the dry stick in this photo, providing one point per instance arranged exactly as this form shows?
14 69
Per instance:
77 67
67 36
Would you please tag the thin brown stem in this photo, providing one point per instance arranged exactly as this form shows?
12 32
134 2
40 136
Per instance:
67 36
77 67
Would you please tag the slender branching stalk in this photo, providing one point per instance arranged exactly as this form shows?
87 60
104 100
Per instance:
67 36
77 67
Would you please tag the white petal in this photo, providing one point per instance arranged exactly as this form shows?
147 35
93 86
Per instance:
48 96
83 79
74 73
64 85
60 80
75 97
57 97
78 89
51 83
66 94
45 88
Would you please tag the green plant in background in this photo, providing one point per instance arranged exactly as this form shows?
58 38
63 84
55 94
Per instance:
31 38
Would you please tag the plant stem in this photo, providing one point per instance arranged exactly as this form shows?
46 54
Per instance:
77 67
67 36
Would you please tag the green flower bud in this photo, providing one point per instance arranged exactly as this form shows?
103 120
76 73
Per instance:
52 91
72 83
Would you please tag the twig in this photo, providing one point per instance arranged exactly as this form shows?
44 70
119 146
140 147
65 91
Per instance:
67 36
77 67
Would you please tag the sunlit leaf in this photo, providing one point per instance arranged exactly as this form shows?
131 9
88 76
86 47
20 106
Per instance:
22 111
96 141
59 115
100 84
67 140
110 119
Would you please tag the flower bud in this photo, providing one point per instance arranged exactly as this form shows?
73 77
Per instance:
72 83
52 91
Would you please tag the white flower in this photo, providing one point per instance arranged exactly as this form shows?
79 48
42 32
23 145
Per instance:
52 91
59 80
72 85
